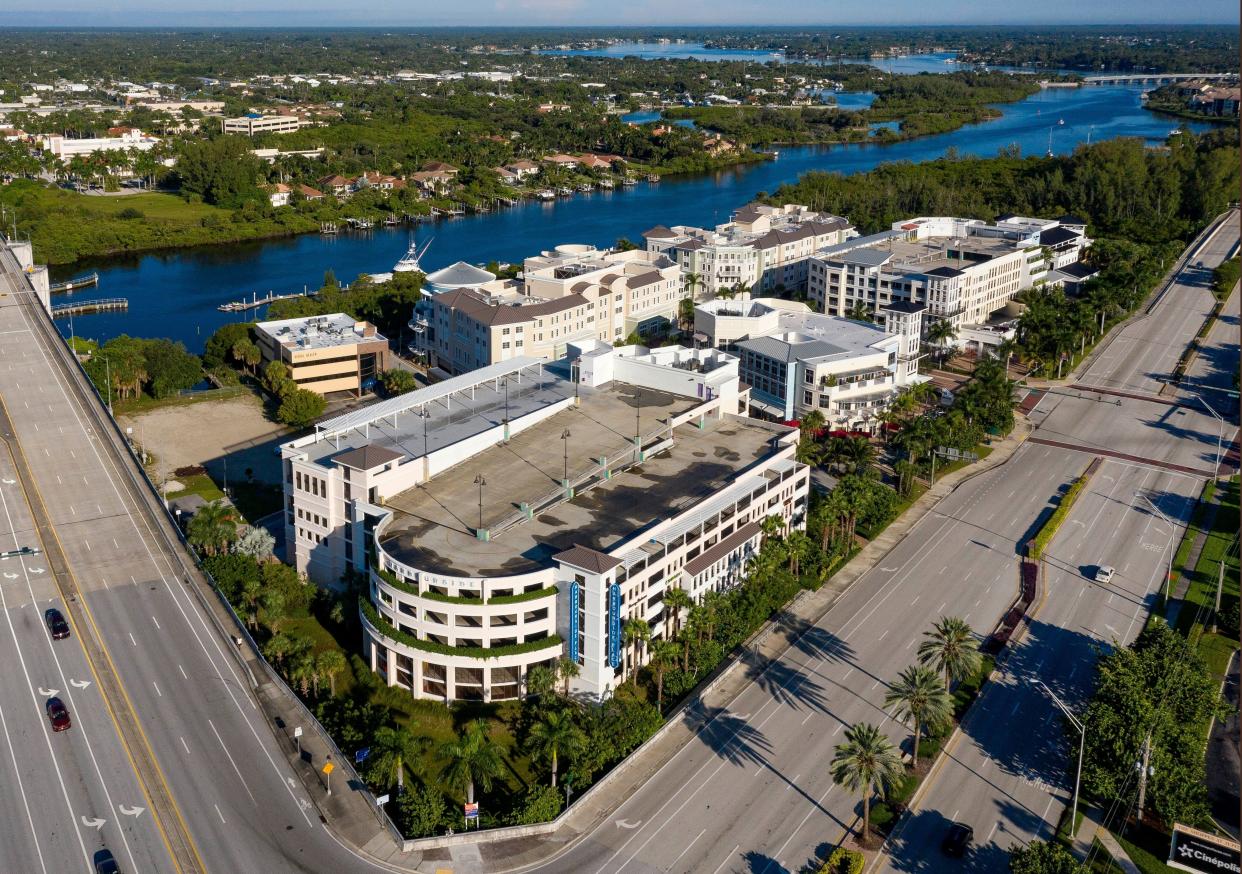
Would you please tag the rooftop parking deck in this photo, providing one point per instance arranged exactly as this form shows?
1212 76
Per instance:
433 528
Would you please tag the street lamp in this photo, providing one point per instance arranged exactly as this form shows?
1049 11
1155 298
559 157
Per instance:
1220 434
1168 577
480 482
1082 742
565 435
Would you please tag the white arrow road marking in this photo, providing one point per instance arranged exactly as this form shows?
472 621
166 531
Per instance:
35 570
48 693
888 570
130 811
95 823
10 576
626 824
8 482
79 684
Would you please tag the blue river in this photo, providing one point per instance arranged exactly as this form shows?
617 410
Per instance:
176 293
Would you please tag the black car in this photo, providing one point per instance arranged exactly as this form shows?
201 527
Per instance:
56 624
105 863
957 840
58 714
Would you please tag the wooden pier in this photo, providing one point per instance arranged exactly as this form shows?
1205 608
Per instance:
100 305
241 306
74 284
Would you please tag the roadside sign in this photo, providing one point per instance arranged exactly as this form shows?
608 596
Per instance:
297 732
361 755
1201 852
382 800
472 810
328 767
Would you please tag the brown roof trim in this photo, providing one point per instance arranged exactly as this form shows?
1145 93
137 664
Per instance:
696 566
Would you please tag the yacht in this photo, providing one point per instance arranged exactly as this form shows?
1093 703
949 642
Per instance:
409 261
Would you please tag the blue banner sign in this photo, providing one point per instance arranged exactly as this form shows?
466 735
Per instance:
575 595
614 625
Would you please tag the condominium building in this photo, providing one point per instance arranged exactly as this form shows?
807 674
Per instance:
962 270
257 123
128 140
525 511
325 353
469 319
796 360
761 248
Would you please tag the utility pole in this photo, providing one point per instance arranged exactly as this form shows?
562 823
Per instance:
1220 582
1145 764
1082 742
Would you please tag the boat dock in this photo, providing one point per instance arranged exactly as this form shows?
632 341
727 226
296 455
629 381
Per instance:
100 305
74 284
241 306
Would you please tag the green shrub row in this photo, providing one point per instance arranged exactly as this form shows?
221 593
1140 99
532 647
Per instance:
1046 533
401 585
386 628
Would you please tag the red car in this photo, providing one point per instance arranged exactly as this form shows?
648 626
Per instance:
56 624
58 713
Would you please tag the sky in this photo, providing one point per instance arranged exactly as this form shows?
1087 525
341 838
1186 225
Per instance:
422 13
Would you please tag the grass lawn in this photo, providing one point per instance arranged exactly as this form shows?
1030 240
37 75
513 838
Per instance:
1218 548
200 484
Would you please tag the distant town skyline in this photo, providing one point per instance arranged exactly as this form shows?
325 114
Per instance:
577 13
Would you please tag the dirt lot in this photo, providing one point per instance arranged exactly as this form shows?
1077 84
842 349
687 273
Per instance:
209 431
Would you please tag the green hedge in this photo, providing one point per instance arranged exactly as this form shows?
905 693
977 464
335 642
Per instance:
1045 535
843 861
399 584
386 628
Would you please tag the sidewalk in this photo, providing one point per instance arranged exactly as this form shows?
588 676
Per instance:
1192 559
468 854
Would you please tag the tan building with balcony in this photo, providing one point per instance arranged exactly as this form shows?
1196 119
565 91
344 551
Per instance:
325 354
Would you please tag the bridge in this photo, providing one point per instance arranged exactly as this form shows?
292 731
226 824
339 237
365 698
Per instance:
99 305
1152 78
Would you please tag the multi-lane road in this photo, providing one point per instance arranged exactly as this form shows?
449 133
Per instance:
171 765
752 793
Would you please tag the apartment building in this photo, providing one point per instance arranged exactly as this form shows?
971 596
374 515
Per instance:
796 360
468 318
128 140
962 270
760 249
525 511
325 354
257 123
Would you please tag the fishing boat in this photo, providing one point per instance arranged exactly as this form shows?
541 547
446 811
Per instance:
564 192
546 194
409 261
605 183
585 187
628 181
653 177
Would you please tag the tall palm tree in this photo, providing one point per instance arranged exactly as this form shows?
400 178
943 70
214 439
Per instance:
212 527
664 655
919 697
393 751
472 757
691 281
771 526
940 333
635 633
866 763
331 662
951 649
1005 350
676 599
566 669
554 735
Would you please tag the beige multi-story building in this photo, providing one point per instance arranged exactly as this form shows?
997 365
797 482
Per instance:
256 123
469 319
325 354
963 270
760 249
526 511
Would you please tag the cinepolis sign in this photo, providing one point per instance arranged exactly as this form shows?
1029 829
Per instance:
1203 853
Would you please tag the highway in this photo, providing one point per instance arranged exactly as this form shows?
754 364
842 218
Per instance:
182 738
1006 776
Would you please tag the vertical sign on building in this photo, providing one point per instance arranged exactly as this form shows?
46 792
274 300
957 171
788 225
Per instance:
575 593
614 625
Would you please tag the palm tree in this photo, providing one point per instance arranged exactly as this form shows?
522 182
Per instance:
919 697
471 758
940 333
554 735
859 452
859 311
635 633
771 526
540 680
866 763
392 752
330 663
664 655
691 281
676 599
212 527
951 649
566 669
1005 350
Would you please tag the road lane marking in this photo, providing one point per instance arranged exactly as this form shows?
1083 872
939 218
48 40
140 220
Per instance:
988 839
157 625
726 859
686 850
219 814
184 745
157 689
236 769
808 716
131 638
182 670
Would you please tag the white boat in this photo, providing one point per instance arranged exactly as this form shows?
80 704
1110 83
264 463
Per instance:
409 261
605 183
546 194
628 181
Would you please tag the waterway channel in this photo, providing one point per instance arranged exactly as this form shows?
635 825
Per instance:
175 294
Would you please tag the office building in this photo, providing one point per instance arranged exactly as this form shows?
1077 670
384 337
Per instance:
257 123
326 354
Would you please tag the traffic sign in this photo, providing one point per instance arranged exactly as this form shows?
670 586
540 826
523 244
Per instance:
382 800
297 732
328 767
472 810
361 755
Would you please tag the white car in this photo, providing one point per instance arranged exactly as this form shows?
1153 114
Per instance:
1104 573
